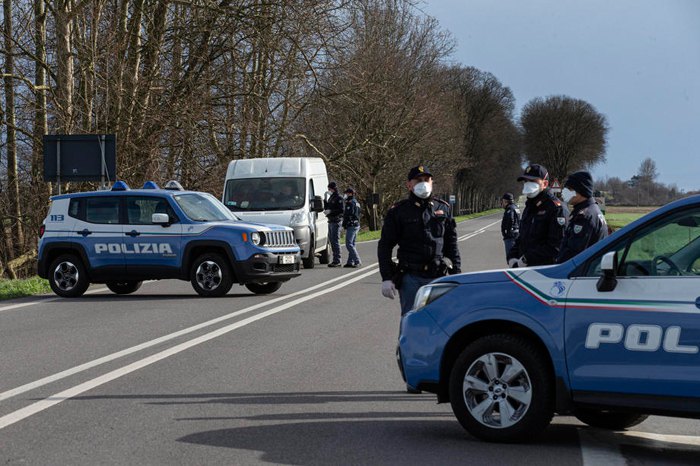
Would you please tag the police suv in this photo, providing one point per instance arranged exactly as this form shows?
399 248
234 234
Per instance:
610 336
123 236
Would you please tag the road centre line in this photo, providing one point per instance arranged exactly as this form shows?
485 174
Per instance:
477 232
111 357
47 300
57 398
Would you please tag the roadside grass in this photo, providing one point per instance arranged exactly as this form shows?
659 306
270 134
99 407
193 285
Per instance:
618 217
19 288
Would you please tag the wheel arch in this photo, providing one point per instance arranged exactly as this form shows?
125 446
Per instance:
475 330
194 249
54 250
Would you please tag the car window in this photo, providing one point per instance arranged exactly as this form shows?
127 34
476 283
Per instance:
274 193
102 210
75 208
669 247
202 207
140 209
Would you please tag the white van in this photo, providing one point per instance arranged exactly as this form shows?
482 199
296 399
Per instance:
283 191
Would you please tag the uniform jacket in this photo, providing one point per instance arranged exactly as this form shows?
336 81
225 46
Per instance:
510 225
586 227
424 231
335 205
541 230
351 213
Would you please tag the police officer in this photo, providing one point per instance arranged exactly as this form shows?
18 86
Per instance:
426 234
510 224
587 224
542 224
351 223
334 213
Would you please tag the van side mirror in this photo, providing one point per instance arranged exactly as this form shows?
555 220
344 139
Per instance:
608 264
160 219
316 204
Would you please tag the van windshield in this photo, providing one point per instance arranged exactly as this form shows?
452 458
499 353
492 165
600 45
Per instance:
202 207
264 194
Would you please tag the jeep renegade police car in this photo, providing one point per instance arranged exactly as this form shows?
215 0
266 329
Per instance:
122 237
610 336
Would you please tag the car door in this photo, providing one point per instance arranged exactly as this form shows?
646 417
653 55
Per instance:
319 220
98 230
151 249
643 336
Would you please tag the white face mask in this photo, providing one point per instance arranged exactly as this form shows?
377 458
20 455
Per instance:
422 190
567 195
531 189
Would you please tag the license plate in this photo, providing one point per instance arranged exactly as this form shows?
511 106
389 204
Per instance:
286 259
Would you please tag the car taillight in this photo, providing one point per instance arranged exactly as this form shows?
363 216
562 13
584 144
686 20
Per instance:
42 229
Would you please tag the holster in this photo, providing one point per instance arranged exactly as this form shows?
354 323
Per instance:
397 274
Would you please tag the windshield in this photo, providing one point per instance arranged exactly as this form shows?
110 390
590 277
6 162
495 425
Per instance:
202 207
264 194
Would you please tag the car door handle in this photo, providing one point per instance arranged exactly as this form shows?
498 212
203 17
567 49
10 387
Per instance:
132 233
84 232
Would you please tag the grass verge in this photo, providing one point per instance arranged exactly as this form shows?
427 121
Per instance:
18 288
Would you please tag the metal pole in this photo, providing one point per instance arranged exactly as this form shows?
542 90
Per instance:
58 163
103 170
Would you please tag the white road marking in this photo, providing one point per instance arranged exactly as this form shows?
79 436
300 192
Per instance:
477 232
47 300
57 398
111 357
664 440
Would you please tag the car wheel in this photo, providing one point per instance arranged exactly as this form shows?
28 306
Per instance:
68 278
501 389
263 288
123 287
612 420
211 275
310 261
325 257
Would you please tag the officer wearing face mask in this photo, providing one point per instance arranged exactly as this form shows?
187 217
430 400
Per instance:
587 224
426 234
542 224
334 213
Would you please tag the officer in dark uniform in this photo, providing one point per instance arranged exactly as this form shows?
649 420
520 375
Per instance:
510 224
426 234
334 213
351 223
543 222
587 224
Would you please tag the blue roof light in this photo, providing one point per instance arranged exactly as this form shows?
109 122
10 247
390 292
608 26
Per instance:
173 185
120 186
150 185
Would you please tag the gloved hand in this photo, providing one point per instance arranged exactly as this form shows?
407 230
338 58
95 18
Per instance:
388 289
327 211
513 263
522 262
455 271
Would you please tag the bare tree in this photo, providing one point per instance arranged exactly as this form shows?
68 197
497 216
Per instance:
563 134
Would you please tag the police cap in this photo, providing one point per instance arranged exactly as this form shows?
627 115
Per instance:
333 185
534 172
350 189
508 197
420 170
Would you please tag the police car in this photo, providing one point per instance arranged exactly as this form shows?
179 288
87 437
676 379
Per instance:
610 336
123 236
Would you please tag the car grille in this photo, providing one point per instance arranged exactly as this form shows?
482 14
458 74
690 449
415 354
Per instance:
285 268
279 239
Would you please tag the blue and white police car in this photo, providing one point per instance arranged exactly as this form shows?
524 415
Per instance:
610 336
123 236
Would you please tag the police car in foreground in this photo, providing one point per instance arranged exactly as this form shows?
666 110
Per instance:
610 336
122 237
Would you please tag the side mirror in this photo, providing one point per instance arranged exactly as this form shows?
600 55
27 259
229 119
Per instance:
608 265
160 219
316 204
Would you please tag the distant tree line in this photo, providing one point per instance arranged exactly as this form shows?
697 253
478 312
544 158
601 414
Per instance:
188 86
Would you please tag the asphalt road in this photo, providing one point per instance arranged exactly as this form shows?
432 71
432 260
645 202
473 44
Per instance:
306 375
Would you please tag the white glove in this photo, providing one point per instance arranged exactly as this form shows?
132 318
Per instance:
522 262
388 289
327 211
513 263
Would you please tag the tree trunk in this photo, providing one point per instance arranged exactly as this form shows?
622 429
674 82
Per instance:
64 59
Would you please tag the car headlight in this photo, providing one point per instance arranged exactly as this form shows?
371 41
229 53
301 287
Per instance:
429 293
255 238
298 219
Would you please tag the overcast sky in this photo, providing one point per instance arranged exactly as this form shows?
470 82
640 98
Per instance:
635 61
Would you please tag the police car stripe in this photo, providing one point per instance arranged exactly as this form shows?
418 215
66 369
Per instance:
589 304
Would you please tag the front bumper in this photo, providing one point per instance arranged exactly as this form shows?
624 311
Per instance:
302 235
266 268
419 353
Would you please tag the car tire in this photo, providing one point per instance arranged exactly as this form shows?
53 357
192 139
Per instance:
612 420
264 288
310 261
498 373
127 287
211 275
67 276
325 256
